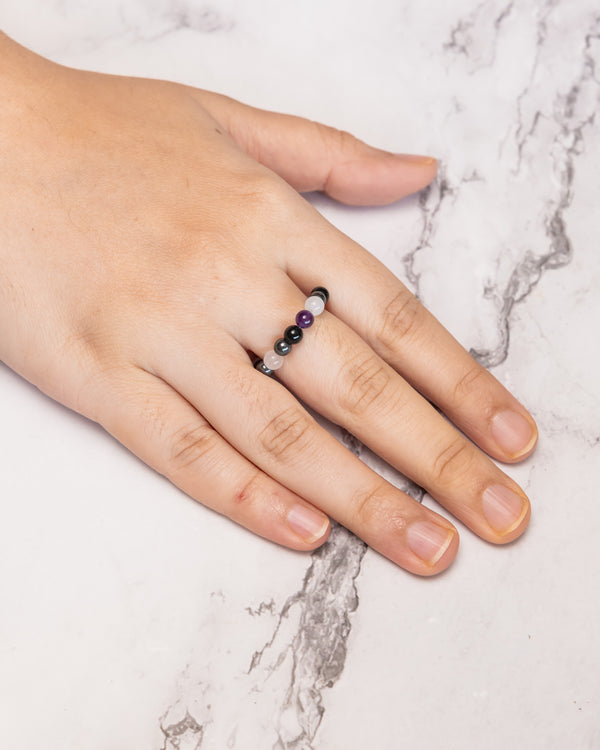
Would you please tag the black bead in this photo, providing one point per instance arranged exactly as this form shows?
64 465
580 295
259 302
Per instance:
261 367
293 334
282 347
320 291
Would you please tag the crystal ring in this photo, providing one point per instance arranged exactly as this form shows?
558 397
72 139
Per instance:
314 305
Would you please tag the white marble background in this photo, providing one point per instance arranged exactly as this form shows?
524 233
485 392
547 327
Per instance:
133 618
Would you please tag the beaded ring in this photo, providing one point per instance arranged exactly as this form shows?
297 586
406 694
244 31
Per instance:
314 305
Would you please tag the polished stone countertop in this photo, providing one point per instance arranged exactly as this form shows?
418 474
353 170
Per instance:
134 618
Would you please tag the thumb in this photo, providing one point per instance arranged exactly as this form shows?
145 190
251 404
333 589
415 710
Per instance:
312 156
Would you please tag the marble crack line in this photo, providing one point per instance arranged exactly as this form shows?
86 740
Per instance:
186 734
588 72
467 29
318 647
522 134
527 274
431 201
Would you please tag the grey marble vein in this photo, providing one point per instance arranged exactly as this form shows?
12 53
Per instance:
475 36
565 122
430 203
143 21
204 18
318 648
573 112
186 734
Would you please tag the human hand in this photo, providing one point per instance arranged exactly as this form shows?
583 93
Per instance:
152 236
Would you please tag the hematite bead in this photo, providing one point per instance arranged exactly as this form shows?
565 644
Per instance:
305 319
293 334
261 367
320 291
282 347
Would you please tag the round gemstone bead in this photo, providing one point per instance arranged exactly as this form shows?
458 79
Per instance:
282 347
315 305
261 367
293 334
320 291
272 360
305 319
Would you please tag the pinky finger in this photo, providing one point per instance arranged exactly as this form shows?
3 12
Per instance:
153 421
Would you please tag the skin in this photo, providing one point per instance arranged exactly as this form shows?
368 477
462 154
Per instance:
152 236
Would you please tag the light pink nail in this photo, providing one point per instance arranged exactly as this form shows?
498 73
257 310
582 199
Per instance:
503 508
513 433
416 159
308 523
428 540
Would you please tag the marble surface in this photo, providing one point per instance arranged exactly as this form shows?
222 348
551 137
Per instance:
133 618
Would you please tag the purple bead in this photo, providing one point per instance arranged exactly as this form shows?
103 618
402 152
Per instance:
305 319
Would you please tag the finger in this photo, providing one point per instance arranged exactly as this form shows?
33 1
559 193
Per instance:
265 423
354 387
165 431
340 376
334 371
312 156
375 304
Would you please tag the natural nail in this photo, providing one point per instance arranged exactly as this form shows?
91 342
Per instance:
503 508
417 159
428 540
513 433
308 523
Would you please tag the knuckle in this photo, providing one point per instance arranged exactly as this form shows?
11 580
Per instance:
364 385
336 141
287 434
453 462
264 195
190 445
401 319
335 146
370 506
468 383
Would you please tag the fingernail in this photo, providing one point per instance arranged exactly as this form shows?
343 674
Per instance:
307 522
428 540
503 508
513 433
418 159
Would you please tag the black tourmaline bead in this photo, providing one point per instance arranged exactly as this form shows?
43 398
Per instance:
293 334
320 291
282 347
261 367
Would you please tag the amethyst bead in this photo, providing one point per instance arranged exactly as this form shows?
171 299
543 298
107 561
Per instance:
305 319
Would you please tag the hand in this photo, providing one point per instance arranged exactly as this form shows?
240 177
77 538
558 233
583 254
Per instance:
152 237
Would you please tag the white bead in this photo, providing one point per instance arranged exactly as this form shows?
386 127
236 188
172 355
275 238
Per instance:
315 305
272 360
